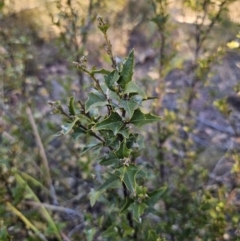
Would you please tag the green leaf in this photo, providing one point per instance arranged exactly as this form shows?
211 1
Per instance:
99 71
90 234
94 196
139 119
71 106
4 233
113 123
112 181
109 160
127 231
125 132
78 132
110 139
66 128
128 176
129 106
123 151
128 202
127 70
138 210
95 100
155 196
111 231
152 236
132 87
95 147
111 80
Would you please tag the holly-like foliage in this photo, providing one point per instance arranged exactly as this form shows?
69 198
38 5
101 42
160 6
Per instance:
112 110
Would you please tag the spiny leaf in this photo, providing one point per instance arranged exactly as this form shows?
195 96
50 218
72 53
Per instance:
111 80
139 119
113 123
123 151
129 106
109 160
128 176
95 100
128 202
138 210
127 70
132 87
111 182
155 196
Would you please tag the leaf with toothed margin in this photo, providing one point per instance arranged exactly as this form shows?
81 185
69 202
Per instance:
127 70
132 87
111 80
113 123
95 100
139 119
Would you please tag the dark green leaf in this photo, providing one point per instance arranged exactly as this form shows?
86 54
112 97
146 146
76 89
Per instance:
139 119
109 160
132 87
125 132
111 80
111 231
123 151
71 106
128 202
128 176
95 147
127 70
127 230
155 196
112 181
129 106
95 100
113 123
138 210
78 132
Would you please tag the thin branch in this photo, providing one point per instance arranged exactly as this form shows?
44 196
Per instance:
212 23
43 154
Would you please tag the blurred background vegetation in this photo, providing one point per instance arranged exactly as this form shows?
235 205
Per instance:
180 56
